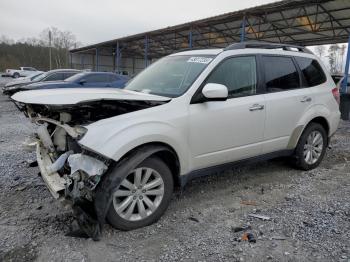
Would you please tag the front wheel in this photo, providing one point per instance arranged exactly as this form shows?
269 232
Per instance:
16 75
142 197
311 147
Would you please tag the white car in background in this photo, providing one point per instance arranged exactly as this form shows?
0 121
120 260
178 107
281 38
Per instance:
21 72
117 154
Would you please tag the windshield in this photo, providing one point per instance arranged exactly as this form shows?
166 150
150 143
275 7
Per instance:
75 77
40 77
36 77
171 76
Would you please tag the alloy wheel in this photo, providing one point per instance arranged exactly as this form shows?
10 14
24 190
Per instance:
139 194
313 147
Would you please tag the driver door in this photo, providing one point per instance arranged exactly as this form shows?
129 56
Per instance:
225 131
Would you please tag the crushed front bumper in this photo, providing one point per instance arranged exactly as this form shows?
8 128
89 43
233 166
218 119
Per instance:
54 182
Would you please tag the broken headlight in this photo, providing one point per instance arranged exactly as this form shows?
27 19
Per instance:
81 131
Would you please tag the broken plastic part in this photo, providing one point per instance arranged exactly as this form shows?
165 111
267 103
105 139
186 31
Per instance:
59 163
59 138
70 130
88 164
45 138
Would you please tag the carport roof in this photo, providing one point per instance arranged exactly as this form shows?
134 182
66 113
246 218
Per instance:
298 22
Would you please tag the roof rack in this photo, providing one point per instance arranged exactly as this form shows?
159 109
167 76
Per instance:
267 45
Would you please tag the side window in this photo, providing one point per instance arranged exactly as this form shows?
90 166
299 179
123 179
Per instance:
66 75
96 78
280 74
238 74
113 78
312 71
54 77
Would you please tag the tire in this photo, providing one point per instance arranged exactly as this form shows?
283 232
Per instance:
307 155
16 75
120 219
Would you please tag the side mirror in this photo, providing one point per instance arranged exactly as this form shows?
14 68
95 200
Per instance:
215 92
82 82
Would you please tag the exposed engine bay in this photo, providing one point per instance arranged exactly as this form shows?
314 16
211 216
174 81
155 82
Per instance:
70 171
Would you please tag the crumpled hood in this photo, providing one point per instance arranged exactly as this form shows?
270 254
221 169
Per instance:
72 96
48 84
25 80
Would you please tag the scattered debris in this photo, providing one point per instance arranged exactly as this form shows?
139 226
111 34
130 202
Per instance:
279 238
21 188
194 219
249 237
259 216
241 228
248 203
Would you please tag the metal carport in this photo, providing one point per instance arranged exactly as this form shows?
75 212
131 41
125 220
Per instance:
298 22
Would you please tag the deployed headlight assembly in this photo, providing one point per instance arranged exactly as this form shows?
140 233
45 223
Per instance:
81 131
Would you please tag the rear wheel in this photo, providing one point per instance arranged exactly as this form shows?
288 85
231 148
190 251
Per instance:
142 197
311 147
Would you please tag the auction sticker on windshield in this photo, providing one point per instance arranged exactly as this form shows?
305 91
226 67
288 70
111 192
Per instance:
200 60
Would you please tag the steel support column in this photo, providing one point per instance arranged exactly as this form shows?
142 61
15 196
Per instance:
243 29
117 57
82 56
71 60
97 60
146 50
344 86
190 39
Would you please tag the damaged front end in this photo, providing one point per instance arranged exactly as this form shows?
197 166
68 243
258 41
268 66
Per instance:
71 171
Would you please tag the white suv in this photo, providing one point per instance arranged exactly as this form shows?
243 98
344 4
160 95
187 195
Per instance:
118 154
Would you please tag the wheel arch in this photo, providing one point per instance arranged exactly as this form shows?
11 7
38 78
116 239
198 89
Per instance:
161 150
298 131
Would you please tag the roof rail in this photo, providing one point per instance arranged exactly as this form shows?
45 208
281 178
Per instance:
267 45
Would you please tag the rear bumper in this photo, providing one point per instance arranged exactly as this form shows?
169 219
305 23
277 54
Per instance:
334 122
54 182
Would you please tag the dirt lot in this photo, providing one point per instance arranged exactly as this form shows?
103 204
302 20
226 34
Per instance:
309 212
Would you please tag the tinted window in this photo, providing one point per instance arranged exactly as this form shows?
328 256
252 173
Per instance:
54 77
95 78
113 78
312 71
68 74
336 78
280 74
238 74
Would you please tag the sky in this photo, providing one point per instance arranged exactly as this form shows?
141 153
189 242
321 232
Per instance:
94 21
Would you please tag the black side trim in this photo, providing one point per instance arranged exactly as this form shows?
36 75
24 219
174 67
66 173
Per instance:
184 179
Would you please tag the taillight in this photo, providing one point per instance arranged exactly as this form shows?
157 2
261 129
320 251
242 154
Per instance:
336 94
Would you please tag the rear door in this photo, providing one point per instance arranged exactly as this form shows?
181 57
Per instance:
97 80
286 100
226 131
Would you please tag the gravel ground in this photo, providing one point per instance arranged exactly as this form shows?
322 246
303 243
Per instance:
309 212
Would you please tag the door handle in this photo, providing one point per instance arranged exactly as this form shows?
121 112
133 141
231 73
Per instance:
256 107
306 99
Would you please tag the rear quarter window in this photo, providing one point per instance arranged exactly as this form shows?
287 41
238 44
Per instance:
312 71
